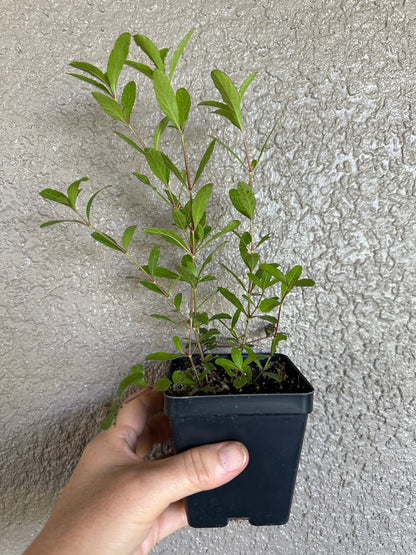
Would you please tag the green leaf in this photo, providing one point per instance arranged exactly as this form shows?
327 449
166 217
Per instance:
304 283
157 164
106 240
129 142
220 316
109 106
136 375
150 49
152 287
178 343
55 196
263 239
154 259
276 340
146 70
159 131
128 99
177 54
166 97
293 275
162 272
227 364
117 58
92 70
236 317
183 101
127 235
274 376
200 202
173 168
163 53
265 142
52 222
179 218
232 298
229 94
162 385
228 114
267 305
275 272
111 415
204 160
143 178
177 301
246 84
163 356
229 227
91 82
243 199
169 236
162 317
234 275
240 382
74 190
186 275
237 357
88 209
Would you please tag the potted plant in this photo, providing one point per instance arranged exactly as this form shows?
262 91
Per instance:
218 387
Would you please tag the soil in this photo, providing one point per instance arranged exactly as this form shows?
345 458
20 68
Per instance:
220 383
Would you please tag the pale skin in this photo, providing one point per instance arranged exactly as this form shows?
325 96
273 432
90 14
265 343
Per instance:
116 503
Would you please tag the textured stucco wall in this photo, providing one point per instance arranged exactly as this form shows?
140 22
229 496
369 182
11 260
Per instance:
340 78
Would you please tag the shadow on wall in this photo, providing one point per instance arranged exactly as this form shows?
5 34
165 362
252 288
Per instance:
35 467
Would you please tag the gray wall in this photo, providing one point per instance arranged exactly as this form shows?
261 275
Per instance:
338 196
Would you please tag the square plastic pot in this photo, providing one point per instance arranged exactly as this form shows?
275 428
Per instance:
271 426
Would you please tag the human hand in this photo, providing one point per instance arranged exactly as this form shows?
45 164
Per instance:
116 502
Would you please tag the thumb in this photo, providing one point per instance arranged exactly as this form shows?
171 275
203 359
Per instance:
198 469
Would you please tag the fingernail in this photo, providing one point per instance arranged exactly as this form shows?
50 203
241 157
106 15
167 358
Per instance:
232 456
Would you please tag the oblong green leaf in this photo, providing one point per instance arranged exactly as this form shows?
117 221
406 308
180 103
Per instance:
92 70
204 160
110 106
152 287
154 259
127 235
169 236
177 54
55 196
157 164
163 383
74 190
237 357
128 99
166 97
229 94
200 202
91 82
53 222
117 58
243 199
146 70
159 131
106 240
246 84
150 49
130 142
267 305
304 283
88 209
275 272
183 100
163 356
232 298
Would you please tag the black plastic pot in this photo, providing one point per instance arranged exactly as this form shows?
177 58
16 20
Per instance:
271 426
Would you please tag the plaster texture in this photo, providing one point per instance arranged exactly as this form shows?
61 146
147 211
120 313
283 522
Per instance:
338 195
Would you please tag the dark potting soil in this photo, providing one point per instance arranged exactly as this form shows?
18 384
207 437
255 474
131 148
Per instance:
220 383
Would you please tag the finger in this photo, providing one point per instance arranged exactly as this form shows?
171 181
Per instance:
156 431
198 469
133 416
172 519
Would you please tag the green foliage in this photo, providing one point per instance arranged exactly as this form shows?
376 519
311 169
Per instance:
260 287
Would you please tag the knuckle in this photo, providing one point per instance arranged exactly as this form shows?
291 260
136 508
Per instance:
199 473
